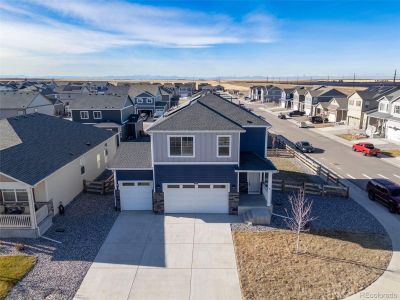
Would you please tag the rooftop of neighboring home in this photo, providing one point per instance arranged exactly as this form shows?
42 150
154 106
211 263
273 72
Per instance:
342 102
209 112
374 93
37 145
133 155
394 95
99 101
16 99
136 89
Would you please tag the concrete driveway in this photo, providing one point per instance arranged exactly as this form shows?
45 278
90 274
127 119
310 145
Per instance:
148 256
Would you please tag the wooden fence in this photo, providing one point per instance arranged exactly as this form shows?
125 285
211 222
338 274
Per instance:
310 188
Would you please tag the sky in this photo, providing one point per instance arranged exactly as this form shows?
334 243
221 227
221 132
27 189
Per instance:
193 38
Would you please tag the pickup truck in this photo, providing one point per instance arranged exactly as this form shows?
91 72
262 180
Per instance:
366 148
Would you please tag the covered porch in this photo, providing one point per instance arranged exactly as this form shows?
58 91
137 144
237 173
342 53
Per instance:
255 181
24 211
376 124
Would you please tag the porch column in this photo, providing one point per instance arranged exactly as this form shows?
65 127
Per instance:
269 191
32 211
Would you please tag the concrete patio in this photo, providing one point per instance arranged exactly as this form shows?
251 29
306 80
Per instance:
148 256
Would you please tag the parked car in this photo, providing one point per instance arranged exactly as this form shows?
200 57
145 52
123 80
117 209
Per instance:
317 119
247 98
302 124
386 192
304 147
296 113
366 148
282 116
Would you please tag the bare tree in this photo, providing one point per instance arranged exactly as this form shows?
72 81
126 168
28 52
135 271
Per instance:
300 210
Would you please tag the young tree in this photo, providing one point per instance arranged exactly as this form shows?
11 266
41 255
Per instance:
300 211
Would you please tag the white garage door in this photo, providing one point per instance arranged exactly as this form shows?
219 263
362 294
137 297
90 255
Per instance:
136 195
332 117
196 198
393 134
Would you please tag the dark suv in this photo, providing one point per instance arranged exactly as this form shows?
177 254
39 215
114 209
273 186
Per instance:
385 191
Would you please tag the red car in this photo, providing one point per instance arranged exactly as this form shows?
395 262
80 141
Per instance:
366 148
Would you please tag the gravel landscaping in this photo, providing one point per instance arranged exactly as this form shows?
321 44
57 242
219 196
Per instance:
60 268
332 213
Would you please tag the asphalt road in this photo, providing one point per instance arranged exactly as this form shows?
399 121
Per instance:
350 165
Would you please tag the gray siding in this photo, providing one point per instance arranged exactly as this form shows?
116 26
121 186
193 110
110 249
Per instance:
126 112
205 148
107 116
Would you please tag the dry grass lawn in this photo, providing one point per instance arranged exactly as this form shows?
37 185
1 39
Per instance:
323 125
391 152
330 266
289 170
12 269
350 137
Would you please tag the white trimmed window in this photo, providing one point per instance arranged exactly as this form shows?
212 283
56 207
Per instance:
149 100
13 196
82 165
139 100
396 109
97 115
223 146
84 114
98 161
181 146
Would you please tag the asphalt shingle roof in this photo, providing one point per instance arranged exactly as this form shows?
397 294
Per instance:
98 101
232 111
132 155
138 88
10 100
250 161
48 143
195 116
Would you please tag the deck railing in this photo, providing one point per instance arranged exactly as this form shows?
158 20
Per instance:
15 221
42 213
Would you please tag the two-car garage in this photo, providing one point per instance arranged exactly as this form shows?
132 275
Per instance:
196 198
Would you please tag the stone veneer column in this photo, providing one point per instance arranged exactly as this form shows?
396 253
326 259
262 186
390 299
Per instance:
233 203
158 203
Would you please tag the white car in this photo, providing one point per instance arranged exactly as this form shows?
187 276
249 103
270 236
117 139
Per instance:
302 125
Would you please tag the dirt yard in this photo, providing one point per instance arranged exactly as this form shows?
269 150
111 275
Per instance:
331 265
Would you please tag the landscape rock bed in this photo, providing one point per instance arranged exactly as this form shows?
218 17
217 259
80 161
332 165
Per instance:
60 268
332 213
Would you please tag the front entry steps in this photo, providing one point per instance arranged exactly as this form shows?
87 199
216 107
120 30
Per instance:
257 216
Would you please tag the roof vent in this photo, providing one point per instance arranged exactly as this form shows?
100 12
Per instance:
249 122
87 143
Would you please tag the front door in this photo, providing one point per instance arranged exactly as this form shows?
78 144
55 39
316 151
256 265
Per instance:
253 179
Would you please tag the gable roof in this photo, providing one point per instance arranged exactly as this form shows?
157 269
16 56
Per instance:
47 144
98 101
17 100
393 96
342 102
232 111
195 116
132 155
138 88
373 93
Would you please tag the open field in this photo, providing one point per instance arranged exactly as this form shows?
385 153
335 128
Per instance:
331 265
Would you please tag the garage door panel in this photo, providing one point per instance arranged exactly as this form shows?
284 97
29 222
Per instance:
199 198
136 195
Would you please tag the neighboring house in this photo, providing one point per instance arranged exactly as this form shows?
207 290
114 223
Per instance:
109 111
385 121
361 102
98 86
299 97
202 158
258 93
44 160
319 95
273 94
287 97
147 98
186 89
22 103
337 109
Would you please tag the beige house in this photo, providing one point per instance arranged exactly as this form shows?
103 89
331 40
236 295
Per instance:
44 162
337 109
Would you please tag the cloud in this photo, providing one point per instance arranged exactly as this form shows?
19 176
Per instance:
80 27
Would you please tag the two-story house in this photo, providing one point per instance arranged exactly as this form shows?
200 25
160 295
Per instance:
361 102
148 99
108 111
274 93
258 92
186 89
299 97
287 97
319 95
385 121
202 158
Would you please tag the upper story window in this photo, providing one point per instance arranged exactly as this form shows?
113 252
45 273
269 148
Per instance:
223 146
84 114
181 146
149 100
351 102
358 103
97 115
396 109
139 100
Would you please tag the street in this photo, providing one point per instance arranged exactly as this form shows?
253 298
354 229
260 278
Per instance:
340 158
